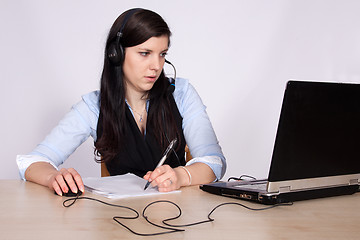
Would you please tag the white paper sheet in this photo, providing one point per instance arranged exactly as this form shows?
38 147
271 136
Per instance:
121 186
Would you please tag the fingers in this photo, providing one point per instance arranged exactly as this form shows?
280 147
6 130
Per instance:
78 181
164 178
147 176
67 179
57 186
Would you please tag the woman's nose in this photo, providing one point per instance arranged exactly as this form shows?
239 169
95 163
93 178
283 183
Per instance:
156 63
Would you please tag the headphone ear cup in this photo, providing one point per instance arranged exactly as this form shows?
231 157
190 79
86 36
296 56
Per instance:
115 54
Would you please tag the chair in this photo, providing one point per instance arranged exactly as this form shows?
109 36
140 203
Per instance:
188 156
104 171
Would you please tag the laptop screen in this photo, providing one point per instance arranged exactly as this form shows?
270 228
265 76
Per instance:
318 133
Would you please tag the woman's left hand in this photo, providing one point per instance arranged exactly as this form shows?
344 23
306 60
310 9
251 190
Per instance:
165 178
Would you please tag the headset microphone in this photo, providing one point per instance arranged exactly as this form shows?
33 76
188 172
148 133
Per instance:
171 87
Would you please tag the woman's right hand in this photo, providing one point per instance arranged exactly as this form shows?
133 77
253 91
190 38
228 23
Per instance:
64 179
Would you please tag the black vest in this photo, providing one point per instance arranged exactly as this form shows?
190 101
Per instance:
141 154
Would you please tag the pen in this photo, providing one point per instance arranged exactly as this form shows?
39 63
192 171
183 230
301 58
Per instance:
164 157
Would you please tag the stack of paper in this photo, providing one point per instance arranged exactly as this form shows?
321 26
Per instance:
121 186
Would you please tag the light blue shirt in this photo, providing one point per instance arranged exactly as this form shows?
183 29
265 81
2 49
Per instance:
81 123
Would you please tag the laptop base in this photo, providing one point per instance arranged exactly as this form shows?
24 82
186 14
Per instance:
276 198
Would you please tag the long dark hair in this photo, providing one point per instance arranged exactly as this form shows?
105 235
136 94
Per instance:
139 27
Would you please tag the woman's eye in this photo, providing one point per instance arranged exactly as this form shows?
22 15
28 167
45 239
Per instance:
163 54
144 54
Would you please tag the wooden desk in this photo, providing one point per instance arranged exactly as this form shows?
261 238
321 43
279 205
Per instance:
30 211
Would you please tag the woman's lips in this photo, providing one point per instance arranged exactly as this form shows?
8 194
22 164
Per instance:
151 78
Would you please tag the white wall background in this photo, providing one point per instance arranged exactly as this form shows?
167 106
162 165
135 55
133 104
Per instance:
238 54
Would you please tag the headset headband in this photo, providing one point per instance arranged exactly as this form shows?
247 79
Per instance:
126 19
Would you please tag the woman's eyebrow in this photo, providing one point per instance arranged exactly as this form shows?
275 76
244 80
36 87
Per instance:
149 50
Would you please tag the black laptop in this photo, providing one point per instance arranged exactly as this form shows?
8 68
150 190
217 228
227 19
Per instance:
317 147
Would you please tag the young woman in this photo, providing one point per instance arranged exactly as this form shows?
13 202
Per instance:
133 118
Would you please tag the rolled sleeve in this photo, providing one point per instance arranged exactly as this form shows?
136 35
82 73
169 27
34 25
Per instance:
214 162
24 161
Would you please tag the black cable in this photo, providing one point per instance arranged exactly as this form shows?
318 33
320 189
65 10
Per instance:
159 226
241 178
171 228
170 219
74 199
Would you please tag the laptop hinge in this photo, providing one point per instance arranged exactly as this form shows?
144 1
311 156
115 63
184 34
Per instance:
354 182
284 189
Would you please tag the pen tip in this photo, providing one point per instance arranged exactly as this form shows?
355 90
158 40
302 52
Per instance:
146 186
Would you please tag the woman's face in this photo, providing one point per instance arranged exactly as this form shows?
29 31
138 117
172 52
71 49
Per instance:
143 64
